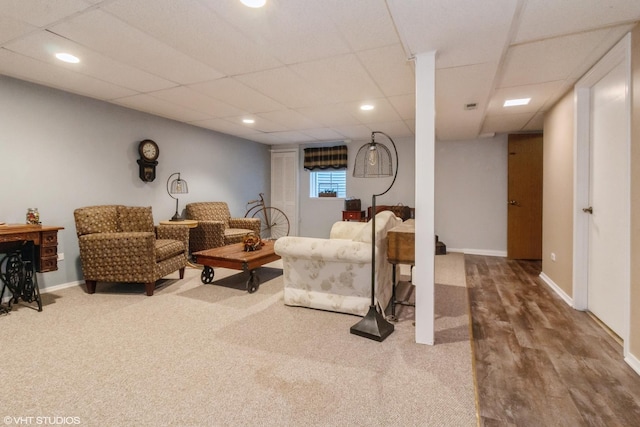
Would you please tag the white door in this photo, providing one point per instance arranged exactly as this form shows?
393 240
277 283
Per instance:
284 185
608 281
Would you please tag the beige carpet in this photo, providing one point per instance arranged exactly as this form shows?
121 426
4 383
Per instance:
214 355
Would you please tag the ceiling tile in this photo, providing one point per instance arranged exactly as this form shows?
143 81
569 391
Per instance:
143 51
550 59
290 119
460 33
41 12
343 78
193 100
226 126
11 28
506 123
44 45
22 67
234 92
405 105
284 86
390 69
156 106
365 24
549 18
219 44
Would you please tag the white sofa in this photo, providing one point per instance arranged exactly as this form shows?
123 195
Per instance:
335 274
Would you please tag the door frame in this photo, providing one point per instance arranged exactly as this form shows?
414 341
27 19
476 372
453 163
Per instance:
582 98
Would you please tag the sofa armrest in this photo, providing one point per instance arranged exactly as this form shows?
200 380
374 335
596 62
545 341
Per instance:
246 223
329 250
174 232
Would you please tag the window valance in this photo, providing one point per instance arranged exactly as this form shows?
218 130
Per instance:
325 158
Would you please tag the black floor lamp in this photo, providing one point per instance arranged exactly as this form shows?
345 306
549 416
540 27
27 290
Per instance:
374 161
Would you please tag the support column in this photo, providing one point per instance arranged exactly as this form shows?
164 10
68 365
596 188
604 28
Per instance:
424 273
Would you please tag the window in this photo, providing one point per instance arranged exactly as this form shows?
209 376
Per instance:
328 182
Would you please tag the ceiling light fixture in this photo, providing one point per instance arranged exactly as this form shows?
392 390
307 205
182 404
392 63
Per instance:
254 3
367 107
248 121
516 102
67 57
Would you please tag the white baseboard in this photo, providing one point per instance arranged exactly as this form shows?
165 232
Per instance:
633 361
484 252
557 289
48 289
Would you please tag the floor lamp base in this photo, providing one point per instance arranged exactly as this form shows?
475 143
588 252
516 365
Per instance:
373 326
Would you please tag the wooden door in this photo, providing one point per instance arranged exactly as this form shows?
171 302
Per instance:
524 218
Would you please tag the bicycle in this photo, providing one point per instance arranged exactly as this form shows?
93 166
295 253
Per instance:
273 222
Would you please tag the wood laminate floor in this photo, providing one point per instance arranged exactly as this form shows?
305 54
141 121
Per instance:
538 361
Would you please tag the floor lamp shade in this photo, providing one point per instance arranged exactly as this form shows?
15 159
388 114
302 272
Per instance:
374 161
177 186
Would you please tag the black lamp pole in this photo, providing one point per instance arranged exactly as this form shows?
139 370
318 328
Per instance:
374 325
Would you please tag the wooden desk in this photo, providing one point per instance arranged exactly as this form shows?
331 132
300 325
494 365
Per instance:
28 249
400 250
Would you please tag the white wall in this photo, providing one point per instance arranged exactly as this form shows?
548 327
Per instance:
471 195
317 215
60 151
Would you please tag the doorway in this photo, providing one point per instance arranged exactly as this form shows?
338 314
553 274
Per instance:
524 194
602 216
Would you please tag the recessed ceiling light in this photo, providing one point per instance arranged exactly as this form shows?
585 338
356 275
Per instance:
366 107
248 121
67 57
516 102
254 3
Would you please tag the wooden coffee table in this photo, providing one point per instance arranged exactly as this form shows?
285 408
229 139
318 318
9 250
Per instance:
235 257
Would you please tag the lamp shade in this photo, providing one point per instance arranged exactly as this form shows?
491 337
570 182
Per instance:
373 161
177 186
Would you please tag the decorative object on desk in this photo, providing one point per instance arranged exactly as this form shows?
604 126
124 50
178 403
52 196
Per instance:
177 186
252 242
33 216
328 193
148 160
374 161
351 204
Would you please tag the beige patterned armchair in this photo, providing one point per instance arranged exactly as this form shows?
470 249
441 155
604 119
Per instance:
121 244
335 274
216 227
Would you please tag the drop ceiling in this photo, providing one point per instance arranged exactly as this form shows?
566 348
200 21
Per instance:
302 68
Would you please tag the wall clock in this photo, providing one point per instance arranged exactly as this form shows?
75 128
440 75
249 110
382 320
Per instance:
148 160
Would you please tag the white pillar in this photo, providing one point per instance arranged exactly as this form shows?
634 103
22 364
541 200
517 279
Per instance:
424 273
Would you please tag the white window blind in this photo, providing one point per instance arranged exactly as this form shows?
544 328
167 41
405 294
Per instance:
328 181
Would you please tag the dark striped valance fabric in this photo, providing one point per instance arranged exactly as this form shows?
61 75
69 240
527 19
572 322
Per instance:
325 158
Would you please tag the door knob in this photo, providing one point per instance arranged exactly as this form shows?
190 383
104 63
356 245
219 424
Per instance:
514 203
588 210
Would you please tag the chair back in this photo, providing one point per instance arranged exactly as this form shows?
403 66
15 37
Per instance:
209 211
113 219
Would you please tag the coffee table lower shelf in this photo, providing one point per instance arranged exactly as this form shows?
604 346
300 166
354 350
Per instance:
236 258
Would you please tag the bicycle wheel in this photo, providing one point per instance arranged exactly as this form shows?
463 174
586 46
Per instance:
275 225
